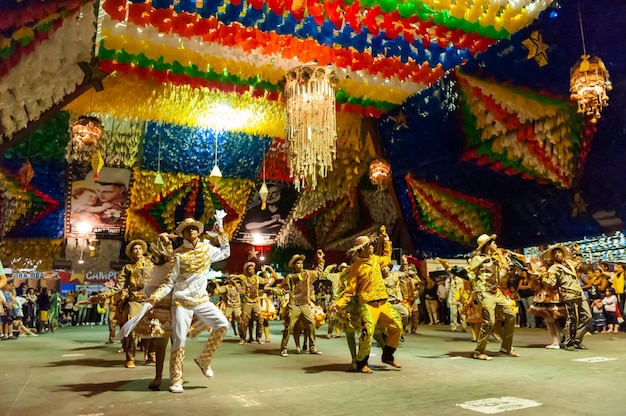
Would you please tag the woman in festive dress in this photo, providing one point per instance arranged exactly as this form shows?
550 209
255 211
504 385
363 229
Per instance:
268 313
156 324
547 304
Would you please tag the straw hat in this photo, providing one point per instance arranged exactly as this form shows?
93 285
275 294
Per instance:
483 240
548 254
295 258
360 242
248 264
189 222
133 243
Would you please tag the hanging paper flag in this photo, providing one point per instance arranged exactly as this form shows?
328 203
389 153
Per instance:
97 163
25 174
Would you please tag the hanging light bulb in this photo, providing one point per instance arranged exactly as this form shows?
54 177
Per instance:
263 192
215 172
158 179
80 260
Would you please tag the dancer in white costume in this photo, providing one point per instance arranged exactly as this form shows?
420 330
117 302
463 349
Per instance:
187 283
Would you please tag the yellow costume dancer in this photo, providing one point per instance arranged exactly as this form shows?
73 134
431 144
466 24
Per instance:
299 285
130 283
365 282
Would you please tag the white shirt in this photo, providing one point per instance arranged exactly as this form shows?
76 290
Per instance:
188 279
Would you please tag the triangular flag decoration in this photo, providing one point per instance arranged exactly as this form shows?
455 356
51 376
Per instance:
520 132
97 163
21 205
193 199
26 174
450 214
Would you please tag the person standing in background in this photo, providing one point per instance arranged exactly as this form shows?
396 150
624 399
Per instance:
618 286
527 295
82 301
43 305
3 277
55 310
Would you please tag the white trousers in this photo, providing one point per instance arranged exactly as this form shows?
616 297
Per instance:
208 313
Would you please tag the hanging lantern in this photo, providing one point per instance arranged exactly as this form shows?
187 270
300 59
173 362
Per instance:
380 173
311 122
589 82
87 130
263 193
215 172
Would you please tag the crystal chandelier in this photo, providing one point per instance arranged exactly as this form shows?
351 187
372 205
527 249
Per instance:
311 122
589 82
380 173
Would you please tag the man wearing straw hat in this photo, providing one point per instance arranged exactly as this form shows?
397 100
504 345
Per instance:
251 311
130 283
562 274
299 285
365 281
187 282
486 268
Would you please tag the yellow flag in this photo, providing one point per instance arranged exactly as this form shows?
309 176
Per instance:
97 163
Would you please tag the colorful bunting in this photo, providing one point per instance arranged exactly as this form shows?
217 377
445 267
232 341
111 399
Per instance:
519 132
450 214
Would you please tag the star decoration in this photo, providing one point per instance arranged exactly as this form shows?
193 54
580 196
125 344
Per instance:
78 276
252 253
400 120
93 74
536 48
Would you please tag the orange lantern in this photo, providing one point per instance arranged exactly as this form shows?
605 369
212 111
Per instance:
380 173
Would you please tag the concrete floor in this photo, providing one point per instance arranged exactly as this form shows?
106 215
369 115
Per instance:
72 372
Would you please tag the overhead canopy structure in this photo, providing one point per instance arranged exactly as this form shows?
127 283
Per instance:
468 101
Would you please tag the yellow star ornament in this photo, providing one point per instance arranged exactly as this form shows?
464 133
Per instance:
78 276
536 48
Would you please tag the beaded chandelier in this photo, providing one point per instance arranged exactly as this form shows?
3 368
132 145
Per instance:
311 123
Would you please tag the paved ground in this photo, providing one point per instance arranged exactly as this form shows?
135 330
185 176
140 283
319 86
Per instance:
72 372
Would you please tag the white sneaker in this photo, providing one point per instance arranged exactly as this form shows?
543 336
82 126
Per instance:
553 347
208 372
176 388
284 353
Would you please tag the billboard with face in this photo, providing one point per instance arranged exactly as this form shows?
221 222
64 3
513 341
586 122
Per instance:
260 226
97 205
